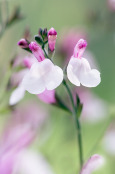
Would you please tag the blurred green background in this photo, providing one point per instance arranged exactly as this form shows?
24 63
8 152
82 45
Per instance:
95 17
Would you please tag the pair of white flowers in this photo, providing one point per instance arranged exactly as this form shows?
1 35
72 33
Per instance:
44 75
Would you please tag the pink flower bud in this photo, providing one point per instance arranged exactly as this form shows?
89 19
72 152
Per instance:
94 163
52 35
48 96
37 51
80 48
23 43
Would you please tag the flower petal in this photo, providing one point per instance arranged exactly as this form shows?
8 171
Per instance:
92 164
54 78
42 75
89 77
48 96
79 71
17 95
73 71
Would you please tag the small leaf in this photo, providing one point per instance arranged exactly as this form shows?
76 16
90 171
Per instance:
78 107
27 49
59 103
39 40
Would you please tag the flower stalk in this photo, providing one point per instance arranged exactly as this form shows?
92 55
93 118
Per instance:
77 124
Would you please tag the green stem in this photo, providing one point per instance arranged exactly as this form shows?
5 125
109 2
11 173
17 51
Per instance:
77 124
46 55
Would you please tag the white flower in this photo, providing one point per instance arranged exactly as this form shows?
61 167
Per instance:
42 75
79 70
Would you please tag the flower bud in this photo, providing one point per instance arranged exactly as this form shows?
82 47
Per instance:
52 35
80 48
37 51
23 43
40 31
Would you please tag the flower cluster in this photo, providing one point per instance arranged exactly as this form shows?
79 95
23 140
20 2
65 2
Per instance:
44 76
41 76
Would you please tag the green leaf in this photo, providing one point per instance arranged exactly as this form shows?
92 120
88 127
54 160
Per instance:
78 106
59 103
27 49
39 40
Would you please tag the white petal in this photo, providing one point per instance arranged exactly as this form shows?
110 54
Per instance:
42 75
79 70
72 71
17 95
89 77
54 78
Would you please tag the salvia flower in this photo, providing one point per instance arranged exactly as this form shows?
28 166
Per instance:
92 164
23 43
48 96
52 35
79 70
42 74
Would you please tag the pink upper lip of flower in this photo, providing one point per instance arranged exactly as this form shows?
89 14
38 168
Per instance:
52 31
33 46
82 44
37 51
80 48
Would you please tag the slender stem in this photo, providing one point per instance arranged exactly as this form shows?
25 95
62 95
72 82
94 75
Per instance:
77 123
46 55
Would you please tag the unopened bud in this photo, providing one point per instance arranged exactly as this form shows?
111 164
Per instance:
23 43
52 35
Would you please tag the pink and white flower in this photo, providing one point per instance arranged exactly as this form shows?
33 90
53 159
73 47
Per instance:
79 70
43 75
47 96
19 133
92 164
52 35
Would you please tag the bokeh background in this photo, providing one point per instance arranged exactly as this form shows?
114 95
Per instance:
96 19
